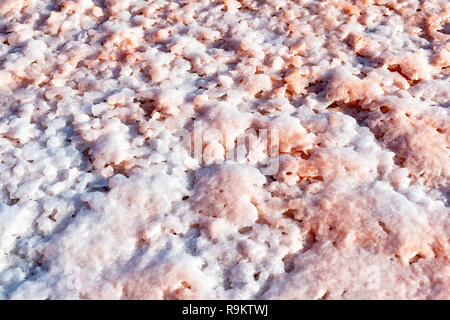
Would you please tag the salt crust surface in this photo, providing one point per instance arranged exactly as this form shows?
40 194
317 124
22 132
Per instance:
101 200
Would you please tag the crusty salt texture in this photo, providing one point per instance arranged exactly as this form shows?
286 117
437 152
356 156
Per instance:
224 150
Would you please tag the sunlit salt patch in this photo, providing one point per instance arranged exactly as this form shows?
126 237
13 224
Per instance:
436 90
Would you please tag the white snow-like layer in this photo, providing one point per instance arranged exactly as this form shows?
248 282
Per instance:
109 191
